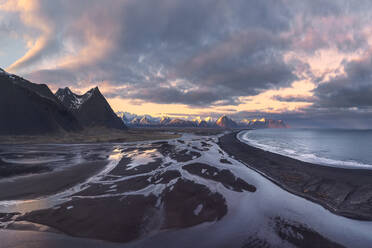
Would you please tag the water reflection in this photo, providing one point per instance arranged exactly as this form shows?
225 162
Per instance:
57 157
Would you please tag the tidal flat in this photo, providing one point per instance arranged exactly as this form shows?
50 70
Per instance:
163 193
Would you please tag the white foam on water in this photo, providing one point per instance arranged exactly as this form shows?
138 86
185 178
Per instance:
305 157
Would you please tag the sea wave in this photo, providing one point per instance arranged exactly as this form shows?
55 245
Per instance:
305 157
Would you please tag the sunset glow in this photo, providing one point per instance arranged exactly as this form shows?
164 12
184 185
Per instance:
290 59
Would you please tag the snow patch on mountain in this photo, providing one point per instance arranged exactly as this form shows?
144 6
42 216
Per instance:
202 122
74 100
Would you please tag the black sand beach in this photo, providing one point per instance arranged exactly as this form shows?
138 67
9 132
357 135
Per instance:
346 192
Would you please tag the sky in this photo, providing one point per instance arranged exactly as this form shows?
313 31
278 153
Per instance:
306 62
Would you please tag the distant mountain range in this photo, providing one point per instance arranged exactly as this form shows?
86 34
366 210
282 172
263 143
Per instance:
27 108
138 121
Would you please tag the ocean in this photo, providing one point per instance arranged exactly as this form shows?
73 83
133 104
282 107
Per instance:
332 147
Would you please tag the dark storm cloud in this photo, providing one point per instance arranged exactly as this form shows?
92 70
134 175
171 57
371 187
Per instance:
172 95
331 24
53 76
293 98
354 89
192 97
198 53
228 49
245 63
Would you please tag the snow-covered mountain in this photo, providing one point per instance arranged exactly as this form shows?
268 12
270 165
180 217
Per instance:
72 100
226 122
164 120
207 122
91 108
126 116
134 120
182 123
263 123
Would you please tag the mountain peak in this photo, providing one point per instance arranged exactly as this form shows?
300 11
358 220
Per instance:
91 108
65 90
226 122
74 101
223 117
208 119
263 123
95 89
165 120
68 98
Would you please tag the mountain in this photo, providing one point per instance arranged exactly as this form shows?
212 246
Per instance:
150 121
164 120
135 121
91 109
263 123
203 123
145 121
181 123
226 122
69 99
28 109
208 122
126 117
276 124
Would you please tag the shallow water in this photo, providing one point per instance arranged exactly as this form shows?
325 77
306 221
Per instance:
71 155
334 147
49 156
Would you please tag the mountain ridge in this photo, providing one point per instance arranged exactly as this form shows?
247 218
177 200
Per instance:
24 102
91 108
225 122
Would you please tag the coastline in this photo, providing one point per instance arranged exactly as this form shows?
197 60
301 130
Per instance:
345 192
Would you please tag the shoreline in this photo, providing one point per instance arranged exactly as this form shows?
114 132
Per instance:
345 192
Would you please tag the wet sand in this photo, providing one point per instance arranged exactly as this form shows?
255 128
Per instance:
346 192
137 198
33 186
179 193
35 239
